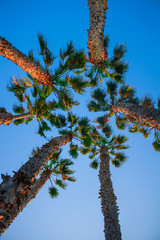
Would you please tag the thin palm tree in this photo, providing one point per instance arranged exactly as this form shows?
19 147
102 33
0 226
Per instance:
18 190
104 148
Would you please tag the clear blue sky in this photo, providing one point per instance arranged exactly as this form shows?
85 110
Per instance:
76 213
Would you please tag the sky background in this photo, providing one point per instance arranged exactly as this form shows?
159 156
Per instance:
76 213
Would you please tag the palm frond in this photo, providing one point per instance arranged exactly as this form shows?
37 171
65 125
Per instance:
48 57
93 106
53 192
19 109
126 92
68 51
94 164
119 51
106 41
147 102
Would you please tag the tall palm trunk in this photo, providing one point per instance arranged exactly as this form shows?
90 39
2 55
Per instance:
28 65
97 52
24 200
14 189
108 199
148 116
6 118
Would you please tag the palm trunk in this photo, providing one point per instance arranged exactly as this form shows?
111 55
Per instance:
14 189
148 116
97 52
108 199
28 65
20 116
7 118
24 200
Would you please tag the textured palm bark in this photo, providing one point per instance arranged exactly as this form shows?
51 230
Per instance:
20 116
148 116
13 189
7 118
34 166
97 52
25 199
25 63
108 199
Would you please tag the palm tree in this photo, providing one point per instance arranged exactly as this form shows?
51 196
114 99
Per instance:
17 191
96 45
103 148
129 111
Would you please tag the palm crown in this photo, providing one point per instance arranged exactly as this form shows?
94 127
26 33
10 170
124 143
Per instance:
105 100
42 100
113 67
60 171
